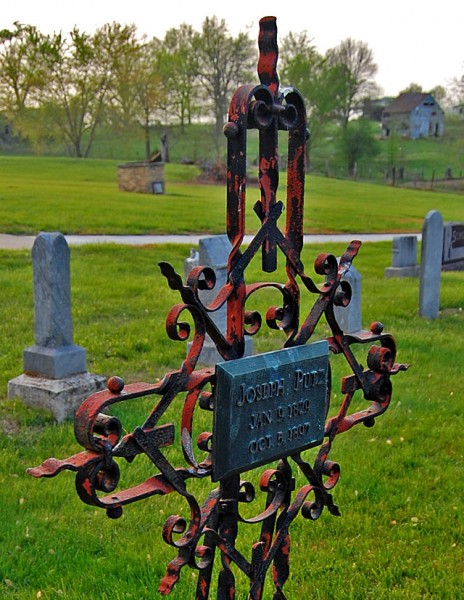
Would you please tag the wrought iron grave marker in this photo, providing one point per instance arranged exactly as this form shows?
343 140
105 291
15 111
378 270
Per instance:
267 409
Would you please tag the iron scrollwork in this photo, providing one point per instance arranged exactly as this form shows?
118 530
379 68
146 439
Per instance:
213 524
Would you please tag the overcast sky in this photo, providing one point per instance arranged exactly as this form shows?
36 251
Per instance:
417 41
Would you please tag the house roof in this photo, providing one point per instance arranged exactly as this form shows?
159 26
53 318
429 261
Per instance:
407 102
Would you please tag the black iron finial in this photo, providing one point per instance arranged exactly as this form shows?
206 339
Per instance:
268 54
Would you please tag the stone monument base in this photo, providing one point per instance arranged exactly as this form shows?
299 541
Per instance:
60 396
411 271
54 363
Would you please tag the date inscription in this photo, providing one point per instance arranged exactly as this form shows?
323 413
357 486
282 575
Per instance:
268 407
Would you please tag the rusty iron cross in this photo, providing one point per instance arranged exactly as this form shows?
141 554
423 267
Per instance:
213 524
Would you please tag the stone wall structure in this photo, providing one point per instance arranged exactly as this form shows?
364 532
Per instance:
145 177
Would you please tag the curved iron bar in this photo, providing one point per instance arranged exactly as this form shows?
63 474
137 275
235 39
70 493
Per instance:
214 525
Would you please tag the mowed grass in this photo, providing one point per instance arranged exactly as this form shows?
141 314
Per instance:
401 492
82 197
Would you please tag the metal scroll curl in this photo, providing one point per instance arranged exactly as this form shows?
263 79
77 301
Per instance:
212 527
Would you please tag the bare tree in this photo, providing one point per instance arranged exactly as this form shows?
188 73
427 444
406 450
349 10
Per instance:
354 61
456 91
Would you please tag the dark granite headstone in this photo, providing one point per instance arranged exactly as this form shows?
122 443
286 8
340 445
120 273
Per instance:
453 246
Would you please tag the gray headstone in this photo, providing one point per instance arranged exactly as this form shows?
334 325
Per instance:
55 376
430 268
350 317
52 291
213 252
54 354
404 257
404 251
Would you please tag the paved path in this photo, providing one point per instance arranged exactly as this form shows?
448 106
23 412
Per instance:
17 242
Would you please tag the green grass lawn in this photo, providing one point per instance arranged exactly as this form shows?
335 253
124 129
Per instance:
401 491
81 197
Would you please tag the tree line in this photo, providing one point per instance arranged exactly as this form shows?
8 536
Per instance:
56 87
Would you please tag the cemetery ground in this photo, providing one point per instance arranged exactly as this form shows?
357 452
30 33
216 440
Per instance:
76 196
401 490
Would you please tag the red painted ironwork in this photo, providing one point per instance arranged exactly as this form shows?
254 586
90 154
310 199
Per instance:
213 524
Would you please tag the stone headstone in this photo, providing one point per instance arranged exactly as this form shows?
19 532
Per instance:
213 252
453 246
404 257
350 317
430 267
55 369
54 355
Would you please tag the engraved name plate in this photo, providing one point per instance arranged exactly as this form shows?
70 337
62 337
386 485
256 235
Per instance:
269 406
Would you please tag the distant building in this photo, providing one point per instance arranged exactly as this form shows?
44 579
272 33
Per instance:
414 115
373 108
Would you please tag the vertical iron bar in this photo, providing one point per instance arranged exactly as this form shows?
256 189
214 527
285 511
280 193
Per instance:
228 528
268 139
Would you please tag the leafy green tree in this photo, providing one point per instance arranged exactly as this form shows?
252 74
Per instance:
125 75
440 94
314 76
26 62
178 69
355 69
356 143
149 93
301 66
412 88
135 91
79 89
224 63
